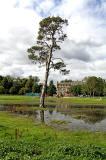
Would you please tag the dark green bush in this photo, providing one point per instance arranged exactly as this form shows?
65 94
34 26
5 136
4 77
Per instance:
21 150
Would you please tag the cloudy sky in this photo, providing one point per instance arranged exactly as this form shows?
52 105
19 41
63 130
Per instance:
84 51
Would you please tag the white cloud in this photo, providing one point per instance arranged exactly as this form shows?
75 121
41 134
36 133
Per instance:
84 51
45 6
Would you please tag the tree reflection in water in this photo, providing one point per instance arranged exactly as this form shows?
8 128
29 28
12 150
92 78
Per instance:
94 116
89 114
42 116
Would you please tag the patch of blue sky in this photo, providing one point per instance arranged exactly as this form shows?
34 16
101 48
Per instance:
36 4
94 3
57 2
102 26
49 13
45 14
16 5
99 2
33 6
100 14
95 9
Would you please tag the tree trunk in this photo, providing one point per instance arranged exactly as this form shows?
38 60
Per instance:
42 116
42 98
93 94
90 94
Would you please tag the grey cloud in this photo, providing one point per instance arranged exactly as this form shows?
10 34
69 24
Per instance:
12 70
80 56
72 50
21 35
16 72
90 43
78 64
14 49
17 36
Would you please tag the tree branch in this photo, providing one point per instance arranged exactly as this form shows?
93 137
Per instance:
47 44
58 58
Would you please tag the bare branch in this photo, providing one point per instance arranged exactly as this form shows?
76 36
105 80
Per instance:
47 44
57 58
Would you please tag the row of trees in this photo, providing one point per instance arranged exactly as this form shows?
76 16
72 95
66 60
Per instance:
92 86
10 85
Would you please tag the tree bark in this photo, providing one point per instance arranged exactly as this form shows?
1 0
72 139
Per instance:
90 94
93 94
42 116
42 98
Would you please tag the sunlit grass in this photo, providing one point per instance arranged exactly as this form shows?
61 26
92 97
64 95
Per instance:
10 121
7 99
30 139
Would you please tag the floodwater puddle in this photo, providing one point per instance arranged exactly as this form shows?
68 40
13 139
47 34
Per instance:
64 116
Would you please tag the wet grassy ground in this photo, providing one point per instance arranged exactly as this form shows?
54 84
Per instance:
52 100
23 139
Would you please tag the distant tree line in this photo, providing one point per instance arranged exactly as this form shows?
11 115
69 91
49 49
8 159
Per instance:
21 86
92 86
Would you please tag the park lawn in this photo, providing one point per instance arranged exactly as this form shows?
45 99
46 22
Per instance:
15 99
22 138
7 99
85 101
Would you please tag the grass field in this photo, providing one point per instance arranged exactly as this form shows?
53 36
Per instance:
23 139
52 100
85 101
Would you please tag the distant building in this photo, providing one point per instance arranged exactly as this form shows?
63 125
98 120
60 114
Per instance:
63 88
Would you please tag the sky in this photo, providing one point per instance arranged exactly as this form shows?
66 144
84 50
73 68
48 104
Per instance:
84 51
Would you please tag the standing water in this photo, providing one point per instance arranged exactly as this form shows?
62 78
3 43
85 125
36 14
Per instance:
65 116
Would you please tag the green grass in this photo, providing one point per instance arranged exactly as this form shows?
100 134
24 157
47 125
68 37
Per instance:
59 122
18 99
6 99
23 139
9 99
27 109
85 101
79 116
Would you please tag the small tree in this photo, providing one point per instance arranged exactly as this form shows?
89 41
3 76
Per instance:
29 84
50 36
35 88
13 90
76 90
51 89
100 86
22 91
2 90
91 83
104 91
